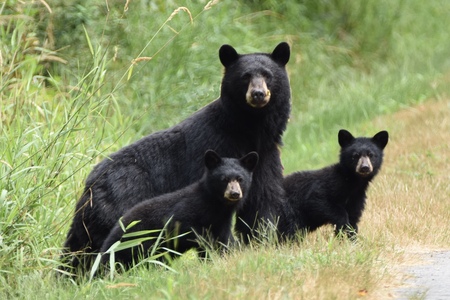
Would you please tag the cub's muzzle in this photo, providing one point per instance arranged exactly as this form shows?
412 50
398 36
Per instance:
233 191
364 166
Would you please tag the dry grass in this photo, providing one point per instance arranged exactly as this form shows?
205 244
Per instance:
409 209
409 201
316 269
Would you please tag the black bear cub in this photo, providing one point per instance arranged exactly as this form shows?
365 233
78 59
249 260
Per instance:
337 194
201 210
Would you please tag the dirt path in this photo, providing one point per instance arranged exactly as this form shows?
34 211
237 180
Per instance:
413 201
429 279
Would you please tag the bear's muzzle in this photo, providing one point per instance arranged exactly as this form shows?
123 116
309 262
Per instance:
258 95
233 191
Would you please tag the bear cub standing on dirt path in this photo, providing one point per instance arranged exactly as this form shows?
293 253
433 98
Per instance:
337 194
203 209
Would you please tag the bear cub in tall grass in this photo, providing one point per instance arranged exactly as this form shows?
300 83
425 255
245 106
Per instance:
337 194
199 214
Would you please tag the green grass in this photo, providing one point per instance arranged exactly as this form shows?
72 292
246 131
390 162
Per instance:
70 98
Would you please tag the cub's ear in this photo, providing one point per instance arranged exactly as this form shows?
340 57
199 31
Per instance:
250 161
381 139
281 53
345 138
212 159
227 55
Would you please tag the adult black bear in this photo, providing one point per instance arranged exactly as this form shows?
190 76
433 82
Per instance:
204 208
337 194
250 115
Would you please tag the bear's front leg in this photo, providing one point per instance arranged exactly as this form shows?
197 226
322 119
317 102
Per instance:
342 224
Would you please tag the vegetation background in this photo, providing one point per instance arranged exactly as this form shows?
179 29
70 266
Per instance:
80 80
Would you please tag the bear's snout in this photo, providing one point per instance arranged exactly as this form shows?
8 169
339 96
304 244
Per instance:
364 166
233 191
258 95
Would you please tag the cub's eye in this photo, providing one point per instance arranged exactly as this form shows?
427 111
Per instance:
370 154
223 179
239 179
355 155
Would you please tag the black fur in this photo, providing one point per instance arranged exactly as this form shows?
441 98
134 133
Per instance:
337 194
168 160
200 208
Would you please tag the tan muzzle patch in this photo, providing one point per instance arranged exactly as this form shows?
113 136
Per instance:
258 95
233 191
364 166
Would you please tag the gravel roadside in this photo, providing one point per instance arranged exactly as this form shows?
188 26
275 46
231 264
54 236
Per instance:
429 280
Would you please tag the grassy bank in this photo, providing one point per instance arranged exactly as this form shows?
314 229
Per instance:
78 82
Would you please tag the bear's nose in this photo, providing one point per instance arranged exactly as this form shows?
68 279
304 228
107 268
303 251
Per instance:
364 169
258 95
235 195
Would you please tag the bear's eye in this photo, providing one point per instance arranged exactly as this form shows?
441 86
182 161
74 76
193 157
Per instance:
355 155
224 179
370 154
239 179
246 77
267 75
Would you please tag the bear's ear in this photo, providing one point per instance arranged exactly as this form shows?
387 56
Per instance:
212 159
381 139
227 55
281 53
345 138
250 161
